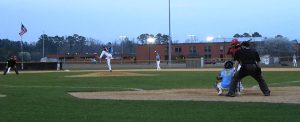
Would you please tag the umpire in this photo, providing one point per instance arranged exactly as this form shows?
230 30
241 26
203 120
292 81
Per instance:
11 63
249 60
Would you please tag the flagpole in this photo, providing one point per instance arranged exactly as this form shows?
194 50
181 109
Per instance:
22 66
23 31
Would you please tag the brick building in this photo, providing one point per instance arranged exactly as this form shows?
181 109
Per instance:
87 58
209 51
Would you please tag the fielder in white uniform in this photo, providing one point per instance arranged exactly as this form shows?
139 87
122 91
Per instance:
295 60
157 57
108 57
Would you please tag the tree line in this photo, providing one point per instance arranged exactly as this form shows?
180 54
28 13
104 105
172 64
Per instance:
278 46
77 44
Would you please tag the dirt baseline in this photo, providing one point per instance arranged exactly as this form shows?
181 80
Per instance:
278 95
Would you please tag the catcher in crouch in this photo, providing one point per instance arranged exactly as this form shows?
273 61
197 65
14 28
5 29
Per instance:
224 78
108 57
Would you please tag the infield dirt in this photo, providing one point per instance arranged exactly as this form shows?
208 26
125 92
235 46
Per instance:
278 95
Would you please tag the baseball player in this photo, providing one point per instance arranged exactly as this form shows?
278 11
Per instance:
295 60
110 49
224 78
249 60
11 64
157 57
235 46
108 57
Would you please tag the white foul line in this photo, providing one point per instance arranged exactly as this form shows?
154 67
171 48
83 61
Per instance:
73 87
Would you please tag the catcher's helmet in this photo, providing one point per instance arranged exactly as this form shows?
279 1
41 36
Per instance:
228 65
235 42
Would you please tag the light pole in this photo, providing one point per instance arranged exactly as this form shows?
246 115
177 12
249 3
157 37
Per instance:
43 44
122 39
60 44
296 42
150 40
297 48
224 49
66 41
170 38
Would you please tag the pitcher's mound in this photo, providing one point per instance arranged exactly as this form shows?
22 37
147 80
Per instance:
110 74
278 95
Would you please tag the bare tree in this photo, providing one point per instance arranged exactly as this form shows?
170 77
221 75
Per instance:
276 47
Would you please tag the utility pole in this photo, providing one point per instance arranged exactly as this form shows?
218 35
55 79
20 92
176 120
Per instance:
170 38
122 46
43 44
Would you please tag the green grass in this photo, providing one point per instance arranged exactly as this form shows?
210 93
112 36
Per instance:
43 97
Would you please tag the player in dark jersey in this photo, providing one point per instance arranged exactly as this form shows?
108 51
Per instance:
249 60
11 64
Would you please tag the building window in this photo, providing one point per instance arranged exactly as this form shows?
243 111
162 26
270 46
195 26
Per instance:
221 48
207 56
207 49
177 49
193 50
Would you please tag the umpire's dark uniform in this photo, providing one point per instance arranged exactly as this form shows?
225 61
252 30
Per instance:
11 63
249 60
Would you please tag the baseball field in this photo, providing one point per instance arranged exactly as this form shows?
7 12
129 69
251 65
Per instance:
185 95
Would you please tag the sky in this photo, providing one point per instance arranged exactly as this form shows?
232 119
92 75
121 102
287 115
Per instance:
107 20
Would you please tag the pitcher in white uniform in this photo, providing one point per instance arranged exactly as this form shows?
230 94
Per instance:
108 57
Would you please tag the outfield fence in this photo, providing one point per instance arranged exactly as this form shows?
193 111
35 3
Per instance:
284 62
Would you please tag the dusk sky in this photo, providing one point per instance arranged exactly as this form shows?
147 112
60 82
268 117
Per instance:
107 20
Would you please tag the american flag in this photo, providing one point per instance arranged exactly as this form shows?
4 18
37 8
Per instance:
23 30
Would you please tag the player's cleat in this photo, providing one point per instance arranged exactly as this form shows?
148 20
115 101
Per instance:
110 70
229 95
267 93
220 92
